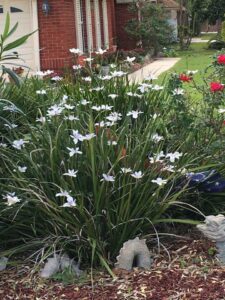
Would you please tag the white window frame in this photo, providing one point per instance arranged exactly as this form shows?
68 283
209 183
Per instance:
97 25
105 23
89 25
78 25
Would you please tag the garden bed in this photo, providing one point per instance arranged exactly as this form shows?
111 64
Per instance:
191 273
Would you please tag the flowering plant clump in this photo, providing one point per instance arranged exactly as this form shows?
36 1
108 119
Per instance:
91 163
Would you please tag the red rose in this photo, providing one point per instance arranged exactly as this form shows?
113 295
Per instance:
221 59
184 77
216 87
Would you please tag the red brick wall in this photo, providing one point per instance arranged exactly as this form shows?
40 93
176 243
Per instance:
111 23
123 15
57 34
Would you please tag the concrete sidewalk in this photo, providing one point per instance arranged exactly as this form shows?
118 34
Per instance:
156 68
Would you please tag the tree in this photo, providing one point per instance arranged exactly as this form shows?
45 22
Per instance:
215 11
150 27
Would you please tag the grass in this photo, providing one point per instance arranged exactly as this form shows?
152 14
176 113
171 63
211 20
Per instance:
208 36
197 57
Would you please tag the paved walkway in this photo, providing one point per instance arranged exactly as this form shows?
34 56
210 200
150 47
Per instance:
198 40
156 68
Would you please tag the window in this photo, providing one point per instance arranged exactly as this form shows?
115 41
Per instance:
1 9
15 9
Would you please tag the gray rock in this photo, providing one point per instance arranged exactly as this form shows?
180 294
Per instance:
134 251
214 229
3 263
51 267
66 262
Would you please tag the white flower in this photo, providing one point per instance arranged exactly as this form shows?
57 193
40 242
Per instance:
55 110
2 145
77 67
56 78
63 194
137 175
178 91
113 96
41 92
68 106
100 51
157 157
118 73
76 136
22 169
71 118
169 168
157 87
74 151
130 59
151 77
87 79
71 202
221 110
19 144
130 94
156 138
88 59
113 66
71 173
144 87
114 117
84 102
75 51
89 136
11 199
106 77
134 113
102 107
100 124
11 126
174 156
111 143
159 181
126 170
41 120
11 108
155 116
107 178
192 72
97 89
44 73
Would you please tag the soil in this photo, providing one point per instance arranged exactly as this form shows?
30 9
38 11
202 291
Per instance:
186 269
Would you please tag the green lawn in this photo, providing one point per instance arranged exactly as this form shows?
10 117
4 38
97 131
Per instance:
208 36
198 57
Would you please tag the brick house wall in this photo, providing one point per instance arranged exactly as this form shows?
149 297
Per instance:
123 15
57 32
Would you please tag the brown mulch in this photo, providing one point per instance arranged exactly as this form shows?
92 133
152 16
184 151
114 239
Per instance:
191 272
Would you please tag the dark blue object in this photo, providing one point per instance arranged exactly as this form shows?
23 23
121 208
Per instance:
208 181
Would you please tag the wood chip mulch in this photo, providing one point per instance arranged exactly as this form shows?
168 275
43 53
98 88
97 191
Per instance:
192 272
